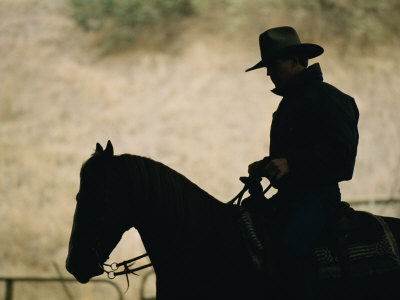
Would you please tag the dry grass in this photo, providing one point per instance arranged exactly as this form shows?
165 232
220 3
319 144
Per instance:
191 107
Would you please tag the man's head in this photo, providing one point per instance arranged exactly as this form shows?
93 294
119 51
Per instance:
283 54
282 69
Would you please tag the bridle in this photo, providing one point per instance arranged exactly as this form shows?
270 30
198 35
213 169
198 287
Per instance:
251 184
112 269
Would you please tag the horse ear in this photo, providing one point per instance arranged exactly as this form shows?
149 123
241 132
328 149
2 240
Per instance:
99 148
109 149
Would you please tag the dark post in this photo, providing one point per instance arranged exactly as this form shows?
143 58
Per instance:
9 289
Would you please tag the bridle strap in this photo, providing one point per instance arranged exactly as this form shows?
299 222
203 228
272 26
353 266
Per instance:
112 268
111 272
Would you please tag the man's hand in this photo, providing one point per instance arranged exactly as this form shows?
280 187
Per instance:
276 169
256 169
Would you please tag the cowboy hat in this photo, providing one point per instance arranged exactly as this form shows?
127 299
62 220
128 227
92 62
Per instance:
279 41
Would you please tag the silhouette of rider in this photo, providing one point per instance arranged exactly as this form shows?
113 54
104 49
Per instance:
313 146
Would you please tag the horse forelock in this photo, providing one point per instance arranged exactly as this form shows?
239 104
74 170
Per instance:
95 166
95 175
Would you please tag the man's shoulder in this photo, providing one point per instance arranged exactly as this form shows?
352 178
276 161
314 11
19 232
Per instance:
322 92
328 98
332 90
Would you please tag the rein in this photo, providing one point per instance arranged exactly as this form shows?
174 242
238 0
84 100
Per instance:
111 269
252 185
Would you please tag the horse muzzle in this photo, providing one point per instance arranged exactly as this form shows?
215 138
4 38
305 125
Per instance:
83 268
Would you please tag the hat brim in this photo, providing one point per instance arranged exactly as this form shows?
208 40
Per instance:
307 50
258 65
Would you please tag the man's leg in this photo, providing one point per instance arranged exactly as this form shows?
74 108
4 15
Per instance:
307 223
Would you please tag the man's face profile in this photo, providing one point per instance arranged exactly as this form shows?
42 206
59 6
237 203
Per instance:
282 70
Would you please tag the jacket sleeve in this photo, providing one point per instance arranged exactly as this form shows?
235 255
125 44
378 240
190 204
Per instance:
330 141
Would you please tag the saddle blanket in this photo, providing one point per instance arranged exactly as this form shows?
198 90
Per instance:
356 245
359 244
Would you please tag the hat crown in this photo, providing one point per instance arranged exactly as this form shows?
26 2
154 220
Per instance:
276 39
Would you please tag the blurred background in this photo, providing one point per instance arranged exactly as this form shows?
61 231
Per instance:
165 79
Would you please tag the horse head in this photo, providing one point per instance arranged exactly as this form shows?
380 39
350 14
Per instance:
98 223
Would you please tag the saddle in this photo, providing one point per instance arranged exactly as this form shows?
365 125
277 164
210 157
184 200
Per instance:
356 244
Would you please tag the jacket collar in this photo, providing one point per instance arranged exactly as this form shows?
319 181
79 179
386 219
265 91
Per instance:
313 72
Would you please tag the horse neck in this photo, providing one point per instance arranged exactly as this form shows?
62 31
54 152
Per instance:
173 211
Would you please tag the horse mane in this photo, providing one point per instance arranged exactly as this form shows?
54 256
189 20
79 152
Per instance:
153 182
162 182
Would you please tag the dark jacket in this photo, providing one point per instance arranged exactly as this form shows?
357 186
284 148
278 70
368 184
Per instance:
315 129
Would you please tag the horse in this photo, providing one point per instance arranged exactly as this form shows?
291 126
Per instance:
194 242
